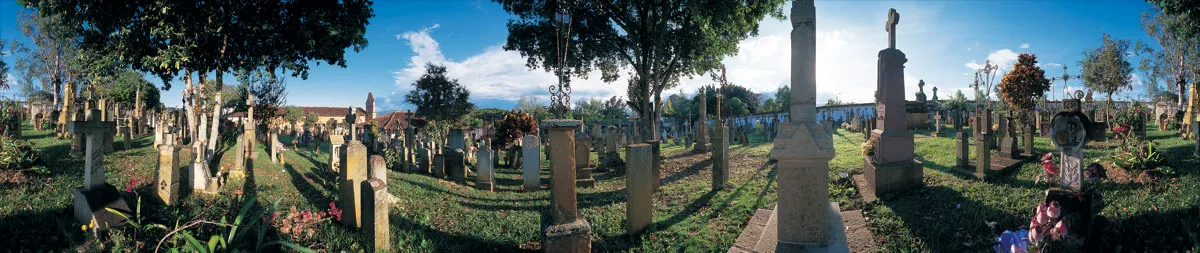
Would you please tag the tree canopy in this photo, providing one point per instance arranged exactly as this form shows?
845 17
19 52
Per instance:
439 98
1105 68
658 41
1024 84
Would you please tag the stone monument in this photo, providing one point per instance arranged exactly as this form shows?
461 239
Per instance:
352 177
94 201
583 164
484 169
564 229
893 168
169 171
531 163
639 209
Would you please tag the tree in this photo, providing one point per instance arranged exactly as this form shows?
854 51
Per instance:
660 41
1105 68
783 96
124 91
48 59
439 98
958 102
1173 25
1022 86
269 91
736 107
513 126
1153 67
4 83
165 38
533 106
770 106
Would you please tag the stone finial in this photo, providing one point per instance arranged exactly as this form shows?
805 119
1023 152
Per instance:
890 27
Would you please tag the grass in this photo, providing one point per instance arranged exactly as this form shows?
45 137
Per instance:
950 214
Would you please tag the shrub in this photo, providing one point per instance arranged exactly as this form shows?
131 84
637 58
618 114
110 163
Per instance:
16 154
513 126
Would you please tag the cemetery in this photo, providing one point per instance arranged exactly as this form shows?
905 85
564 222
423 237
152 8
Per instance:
99 153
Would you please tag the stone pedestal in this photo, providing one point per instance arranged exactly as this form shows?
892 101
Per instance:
93 205
531 162
962 149
375 215
894 177
424 161
983 157
351 180
583 165
335 152
639 207
169 172
563 228
720 157
378 168
239 158
484 170
1027 141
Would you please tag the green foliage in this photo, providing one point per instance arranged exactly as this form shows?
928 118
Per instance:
1173 24
311 119
770 106
1105 68
680 107
125 91
1025 83
732 91
1137 154
16 154
292 113
269 91
737 107
4 84
512 127
958 102
601 110
439 98
783 96
659 42
533 106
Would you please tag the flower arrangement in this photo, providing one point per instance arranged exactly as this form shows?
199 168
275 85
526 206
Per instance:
301 224
1050 168
1047 225
1012 241
868 148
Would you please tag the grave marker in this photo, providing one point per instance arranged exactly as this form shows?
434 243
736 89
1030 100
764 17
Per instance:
93 200
531 162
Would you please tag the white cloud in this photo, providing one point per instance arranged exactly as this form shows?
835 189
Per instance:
493 74
1024 45
1003 58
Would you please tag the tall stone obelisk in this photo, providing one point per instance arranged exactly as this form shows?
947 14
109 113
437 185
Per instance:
804 219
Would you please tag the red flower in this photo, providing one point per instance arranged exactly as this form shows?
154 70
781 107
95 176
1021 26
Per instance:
1050 168
130 185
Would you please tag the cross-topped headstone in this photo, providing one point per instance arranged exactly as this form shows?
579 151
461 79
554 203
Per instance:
93 130
1070 132
890 27
350 119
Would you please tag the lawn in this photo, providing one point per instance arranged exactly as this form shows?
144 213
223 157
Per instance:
950 214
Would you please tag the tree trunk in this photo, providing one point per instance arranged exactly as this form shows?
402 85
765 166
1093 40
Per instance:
188 95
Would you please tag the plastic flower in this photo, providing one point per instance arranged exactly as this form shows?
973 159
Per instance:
129 187
1059 230
1048 157
1053 210
1012 241
1034 236
1043 217
1050 168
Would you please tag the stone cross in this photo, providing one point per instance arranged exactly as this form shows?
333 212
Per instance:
350 119
1069 132
93 130
890 27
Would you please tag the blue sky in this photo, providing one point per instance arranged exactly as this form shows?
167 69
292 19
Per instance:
942 39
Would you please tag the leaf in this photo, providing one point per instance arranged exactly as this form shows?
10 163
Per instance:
291 245
192 242
212 243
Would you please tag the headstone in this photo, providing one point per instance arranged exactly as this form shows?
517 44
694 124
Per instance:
639 210
456 139
485 170
379 168
439 165
1070 134
893 168
531 162
94 200
1008 143
455 164
803 219
962 149
1027 139
656 164
564 229
335 152
983 154
720 156
424 160
275 146
239 158
583 161
351 178
376 224
169 172
702 125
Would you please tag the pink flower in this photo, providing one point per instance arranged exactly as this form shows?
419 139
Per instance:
1048 157
132 183
1059 230
1034 236
1053 210
1042 216
1050 168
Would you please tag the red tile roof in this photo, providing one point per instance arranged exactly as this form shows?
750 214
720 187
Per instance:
320 110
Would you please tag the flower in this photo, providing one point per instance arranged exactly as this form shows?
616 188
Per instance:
1048 157
132 183
1050 168
1059 230
1012 241
1043 217
1053 210
1034 236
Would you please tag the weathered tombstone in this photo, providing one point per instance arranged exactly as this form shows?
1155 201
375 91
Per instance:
375 214
583 161
1008 142
239 158
351 178
97 199
983 154
656 164
531 162
168 172
1070 132
962 149
639 210
77 140
1027 138
455 164
484 170
335 152
720 156
378 168
893 168
702 125
439 165
275 145
564 229
424 161
804 219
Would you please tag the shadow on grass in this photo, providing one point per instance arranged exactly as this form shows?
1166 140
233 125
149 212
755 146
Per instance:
307 185
924 212
415 233
690 171
473 198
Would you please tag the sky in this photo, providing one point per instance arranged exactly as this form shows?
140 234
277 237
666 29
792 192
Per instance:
945 41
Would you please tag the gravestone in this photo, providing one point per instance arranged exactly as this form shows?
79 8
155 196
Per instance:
439 165
937 125
77 140
424 161
169 172
1027 139
484 170
92 202
531 162
335 152
275 145
564 229
351 178
893 168
803 219
248 130
639 210
375 214
702 125
983 155
378 168
656 164
962 149
1008 142
239 158
583 161
455 164
1070 132
720 156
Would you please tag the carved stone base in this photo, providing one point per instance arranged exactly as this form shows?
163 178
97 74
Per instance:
896 177
764 236
570 237
92 205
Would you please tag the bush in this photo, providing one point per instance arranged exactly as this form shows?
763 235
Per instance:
16 154
514 126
